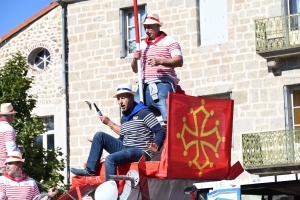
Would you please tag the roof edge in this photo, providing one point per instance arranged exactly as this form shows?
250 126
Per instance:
29 20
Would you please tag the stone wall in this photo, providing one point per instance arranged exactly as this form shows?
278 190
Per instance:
95 66
44 32
231 67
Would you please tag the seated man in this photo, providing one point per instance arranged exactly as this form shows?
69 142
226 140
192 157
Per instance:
140 134
15 184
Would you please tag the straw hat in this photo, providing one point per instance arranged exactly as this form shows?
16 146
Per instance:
7 109
152 19
14 156
124 88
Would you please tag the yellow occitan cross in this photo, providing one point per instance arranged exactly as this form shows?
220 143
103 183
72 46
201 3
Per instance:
202 136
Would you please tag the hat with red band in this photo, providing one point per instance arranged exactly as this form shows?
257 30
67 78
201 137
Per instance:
7 109
14 156
152 19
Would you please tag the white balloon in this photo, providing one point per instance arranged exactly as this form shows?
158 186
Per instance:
107 191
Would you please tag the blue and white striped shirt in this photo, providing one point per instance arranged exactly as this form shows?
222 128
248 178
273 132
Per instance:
140 128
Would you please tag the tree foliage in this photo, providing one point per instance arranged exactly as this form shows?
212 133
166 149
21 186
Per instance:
41 164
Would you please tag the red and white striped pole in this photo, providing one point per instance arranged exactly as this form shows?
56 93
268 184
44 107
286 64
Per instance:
137 39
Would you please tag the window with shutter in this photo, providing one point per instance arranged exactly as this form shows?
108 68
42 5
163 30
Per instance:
292 106
292 8
127 30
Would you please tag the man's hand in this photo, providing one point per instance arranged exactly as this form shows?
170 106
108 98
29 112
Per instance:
154 61
176 61
52 192
105 120
136 54
90 139
152 146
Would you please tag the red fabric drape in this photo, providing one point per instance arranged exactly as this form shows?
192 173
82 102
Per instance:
198 143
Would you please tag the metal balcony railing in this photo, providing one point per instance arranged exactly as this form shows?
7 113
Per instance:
271 148
277 33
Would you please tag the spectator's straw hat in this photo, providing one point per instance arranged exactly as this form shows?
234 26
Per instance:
14 156
152 19
7 109
124 88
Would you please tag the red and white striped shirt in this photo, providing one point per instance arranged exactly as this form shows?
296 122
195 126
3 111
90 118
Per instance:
24 190
166 48
7 140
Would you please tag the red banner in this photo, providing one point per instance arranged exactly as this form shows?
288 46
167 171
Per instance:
198 142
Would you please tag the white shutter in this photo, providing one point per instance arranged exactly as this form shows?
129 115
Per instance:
122 35
213 22
287 108
284 7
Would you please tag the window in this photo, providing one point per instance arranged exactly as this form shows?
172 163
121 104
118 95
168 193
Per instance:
47 139
39 58
127 30
292 114
213 22
292 106
292 8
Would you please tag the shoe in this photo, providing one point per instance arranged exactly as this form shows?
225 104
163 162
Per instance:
81 172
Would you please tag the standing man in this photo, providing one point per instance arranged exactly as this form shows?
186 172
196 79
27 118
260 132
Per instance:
16 185
7 134
160 55
140 134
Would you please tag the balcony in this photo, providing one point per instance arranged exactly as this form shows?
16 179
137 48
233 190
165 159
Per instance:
278 39
272 153
278 36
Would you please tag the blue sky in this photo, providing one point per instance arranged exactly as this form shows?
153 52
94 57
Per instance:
14 12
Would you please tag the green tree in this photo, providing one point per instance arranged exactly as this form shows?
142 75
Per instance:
41 164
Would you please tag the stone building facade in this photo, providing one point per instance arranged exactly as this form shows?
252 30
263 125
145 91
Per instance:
38 33
96 66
